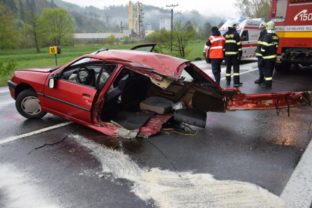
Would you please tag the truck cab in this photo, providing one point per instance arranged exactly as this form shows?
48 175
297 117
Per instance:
293 20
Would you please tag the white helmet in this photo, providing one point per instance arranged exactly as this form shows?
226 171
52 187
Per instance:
270 25
232 23
262 25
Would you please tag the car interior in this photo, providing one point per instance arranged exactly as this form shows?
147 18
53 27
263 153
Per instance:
93 74
134 98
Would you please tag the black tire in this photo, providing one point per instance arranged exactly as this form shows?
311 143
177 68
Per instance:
27 105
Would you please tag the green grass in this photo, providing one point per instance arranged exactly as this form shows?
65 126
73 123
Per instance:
28 58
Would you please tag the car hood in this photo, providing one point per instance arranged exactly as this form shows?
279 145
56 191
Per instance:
43 70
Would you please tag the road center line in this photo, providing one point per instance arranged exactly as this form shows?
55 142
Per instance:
298 192
14 138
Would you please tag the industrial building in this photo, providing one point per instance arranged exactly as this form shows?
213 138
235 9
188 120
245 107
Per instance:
135 19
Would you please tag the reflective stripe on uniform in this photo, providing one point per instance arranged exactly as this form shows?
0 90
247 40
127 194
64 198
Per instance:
268 78
229 36
238 43
216 39
240 49
258 54
267 44
231 53
216 47
235 74
263 50
269 57
230 41
227 75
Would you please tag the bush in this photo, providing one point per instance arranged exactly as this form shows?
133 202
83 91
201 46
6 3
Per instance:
8 68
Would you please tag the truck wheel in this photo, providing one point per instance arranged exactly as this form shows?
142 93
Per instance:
28 105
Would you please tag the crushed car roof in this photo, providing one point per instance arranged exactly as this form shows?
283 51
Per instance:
161 64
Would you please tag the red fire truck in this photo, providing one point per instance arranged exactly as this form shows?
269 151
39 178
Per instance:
293 20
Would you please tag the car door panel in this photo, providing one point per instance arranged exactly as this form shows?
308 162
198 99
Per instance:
70 99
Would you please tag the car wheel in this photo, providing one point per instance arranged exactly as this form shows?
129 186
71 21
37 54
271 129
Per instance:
28 105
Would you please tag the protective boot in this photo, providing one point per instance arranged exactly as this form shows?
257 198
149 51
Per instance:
259 81
266 85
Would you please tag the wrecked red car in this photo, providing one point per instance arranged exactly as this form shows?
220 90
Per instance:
131 93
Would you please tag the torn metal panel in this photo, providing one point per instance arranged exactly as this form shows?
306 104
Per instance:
154 125
268 100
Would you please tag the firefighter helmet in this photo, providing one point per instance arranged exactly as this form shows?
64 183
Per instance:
270 25
262 25
232 23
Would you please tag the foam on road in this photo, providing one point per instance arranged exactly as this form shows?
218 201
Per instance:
20 191
169 189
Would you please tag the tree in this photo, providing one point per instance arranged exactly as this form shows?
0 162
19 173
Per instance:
56 27
111 40
182 35
31 23
9 33
254 8
206 30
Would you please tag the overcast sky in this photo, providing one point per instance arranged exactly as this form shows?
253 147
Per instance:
207 8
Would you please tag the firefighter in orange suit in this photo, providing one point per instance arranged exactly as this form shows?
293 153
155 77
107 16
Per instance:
215 44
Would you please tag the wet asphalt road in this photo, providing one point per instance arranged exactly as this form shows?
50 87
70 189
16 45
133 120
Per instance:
255 146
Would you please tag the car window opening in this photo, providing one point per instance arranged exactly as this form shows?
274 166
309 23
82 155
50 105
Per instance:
93 73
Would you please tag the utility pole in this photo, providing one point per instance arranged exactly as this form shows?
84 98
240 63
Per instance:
171 6
121 27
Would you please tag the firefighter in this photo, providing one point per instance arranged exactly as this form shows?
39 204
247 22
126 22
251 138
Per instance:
259 55
215 44
233 54
268 50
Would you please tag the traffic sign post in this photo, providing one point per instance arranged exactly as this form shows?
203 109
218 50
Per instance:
54 50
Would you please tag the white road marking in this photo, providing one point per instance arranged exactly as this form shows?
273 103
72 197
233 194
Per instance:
7 102
4 91
298 191
168 189
20 191
14 138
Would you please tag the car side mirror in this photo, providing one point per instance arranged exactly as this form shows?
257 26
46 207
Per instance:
51 82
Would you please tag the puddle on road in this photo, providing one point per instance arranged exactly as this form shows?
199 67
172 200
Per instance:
18 190
168 189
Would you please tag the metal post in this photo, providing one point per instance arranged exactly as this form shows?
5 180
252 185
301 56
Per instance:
171 30
55 56
171 24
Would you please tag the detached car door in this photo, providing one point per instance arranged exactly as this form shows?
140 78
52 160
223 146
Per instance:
148 47
75 90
